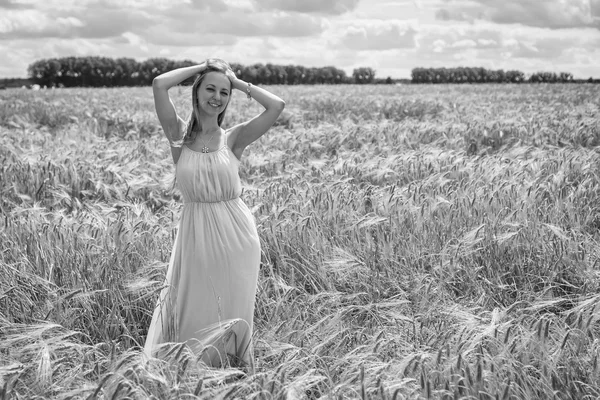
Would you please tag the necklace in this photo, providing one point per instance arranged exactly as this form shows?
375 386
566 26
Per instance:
204 148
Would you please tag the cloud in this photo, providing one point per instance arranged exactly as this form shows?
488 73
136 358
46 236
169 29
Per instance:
103 23
464 44
178 24
201 26
211 5
135 40
453 38
554 14
499 46
91 23
487 43
378 35
546 47
595 9
162 36
22 52
462 13
206 21
265 24
11 5
33 24
330 7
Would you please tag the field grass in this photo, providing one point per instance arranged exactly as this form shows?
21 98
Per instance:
436 242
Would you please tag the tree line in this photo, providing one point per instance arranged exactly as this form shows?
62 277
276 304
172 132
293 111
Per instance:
104 71
482 75
107 72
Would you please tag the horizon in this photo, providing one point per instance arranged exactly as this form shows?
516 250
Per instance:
349 74
392 37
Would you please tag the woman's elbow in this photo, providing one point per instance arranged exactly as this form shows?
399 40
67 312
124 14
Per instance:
280 105
157 82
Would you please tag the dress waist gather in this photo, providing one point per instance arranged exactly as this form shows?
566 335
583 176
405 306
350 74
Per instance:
210 202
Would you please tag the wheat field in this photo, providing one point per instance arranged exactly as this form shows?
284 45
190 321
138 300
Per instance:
418 242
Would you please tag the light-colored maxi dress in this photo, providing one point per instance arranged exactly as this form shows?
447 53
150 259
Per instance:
211 281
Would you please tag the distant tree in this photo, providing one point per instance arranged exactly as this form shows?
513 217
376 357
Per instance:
566 77
44 72
250 74
69 73
544 77
468 75
278 74
515 76
363 75
264 75
417 75
292 74
309 76
326 75
151 68
303 79
500 76
237 68
340 76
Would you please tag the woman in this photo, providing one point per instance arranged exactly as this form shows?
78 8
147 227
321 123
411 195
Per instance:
208 301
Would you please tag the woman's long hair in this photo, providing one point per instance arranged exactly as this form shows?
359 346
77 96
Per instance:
212 65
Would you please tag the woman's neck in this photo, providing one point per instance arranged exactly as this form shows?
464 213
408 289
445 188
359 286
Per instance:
208 125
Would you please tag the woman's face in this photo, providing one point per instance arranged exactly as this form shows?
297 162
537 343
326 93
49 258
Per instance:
214 92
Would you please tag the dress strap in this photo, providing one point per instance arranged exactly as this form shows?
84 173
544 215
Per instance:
225 137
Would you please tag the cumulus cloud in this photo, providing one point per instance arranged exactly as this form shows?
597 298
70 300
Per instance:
456 37
496 46
93 23
595 9
32 24
12 5
378 35
464 44
267 24
487 43
462 13
211 5
178 24
550 47
331 7
236 23
103 23
135 40
554 14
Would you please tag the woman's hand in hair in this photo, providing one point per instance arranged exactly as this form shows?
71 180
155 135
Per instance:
232 78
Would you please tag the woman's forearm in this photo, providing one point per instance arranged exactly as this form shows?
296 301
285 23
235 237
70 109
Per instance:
265 98
176 76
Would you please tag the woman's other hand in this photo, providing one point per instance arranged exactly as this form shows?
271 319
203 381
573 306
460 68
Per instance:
235 82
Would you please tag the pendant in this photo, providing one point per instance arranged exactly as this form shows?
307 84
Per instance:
205 149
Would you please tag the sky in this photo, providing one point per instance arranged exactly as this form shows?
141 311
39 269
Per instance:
390 36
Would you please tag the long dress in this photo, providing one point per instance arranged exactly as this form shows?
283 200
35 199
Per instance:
209 294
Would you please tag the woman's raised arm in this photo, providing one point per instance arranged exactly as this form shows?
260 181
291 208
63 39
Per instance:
169 120
248 132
